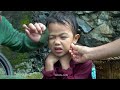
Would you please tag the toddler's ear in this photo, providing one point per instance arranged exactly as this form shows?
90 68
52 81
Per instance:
77 36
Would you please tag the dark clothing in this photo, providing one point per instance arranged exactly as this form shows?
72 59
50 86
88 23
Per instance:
76 71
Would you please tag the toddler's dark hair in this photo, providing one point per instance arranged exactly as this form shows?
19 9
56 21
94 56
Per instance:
63 17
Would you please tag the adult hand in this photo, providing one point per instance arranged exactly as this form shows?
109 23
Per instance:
79 53
35 31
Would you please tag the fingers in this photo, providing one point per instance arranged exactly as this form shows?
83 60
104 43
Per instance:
75 58
78 48
32 28
43 27
27 32
25 26
40 27
36 28
75 52
74 47
26 29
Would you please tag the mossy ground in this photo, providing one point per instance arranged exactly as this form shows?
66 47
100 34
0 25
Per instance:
35 75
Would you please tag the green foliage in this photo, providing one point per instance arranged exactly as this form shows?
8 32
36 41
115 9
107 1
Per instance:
14 57
18 18
26 19
35 75
11 77
20 57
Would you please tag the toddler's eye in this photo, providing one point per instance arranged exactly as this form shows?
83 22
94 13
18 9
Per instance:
63 37
51 37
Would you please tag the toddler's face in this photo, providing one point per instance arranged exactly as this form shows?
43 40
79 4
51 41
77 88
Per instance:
60 38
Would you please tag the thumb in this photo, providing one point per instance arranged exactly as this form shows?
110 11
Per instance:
75 47
79 48
72 46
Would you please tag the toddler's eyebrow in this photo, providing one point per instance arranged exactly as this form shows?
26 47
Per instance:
64 33
59 34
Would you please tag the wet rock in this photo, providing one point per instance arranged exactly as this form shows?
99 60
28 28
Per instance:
102 32
83 25
115 14
104 29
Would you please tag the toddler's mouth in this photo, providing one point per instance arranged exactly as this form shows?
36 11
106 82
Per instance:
58 49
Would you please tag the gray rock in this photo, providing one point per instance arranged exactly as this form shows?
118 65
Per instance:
83 25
